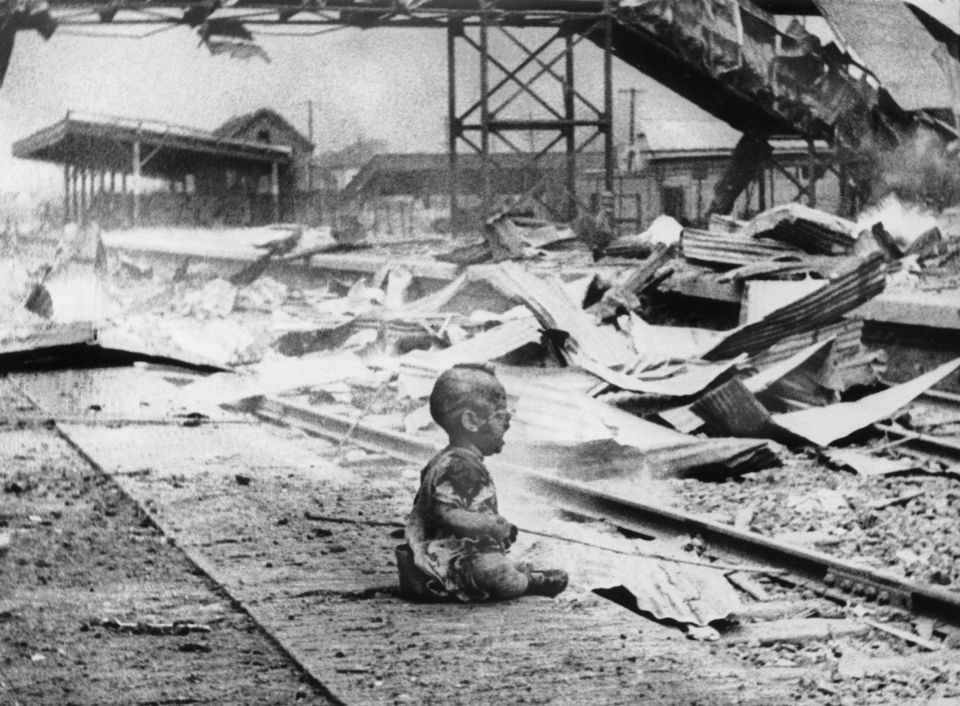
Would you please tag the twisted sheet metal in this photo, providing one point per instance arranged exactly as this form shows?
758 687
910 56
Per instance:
823 306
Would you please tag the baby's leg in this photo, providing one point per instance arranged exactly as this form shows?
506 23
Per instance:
498 576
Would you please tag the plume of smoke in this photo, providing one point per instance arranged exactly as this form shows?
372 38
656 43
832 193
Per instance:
922 170
905 222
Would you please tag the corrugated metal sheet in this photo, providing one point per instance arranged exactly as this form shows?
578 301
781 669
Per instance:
818 353
565 427
731 248
824 425
546 298
849 363
275 375
894 46
813 231
825 305
686 420
419 369
687 594
655 343
217 342
500 287
762 297
691 379
732 409
826 266
845 335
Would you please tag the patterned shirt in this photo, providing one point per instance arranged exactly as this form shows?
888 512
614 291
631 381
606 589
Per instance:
453 479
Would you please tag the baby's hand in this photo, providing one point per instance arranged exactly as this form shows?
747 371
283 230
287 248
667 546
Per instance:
503 531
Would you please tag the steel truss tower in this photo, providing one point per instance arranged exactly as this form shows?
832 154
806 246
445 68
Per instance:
493 124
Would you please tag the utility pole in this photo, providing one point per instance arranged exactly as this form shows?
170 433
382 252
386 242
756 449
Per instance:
310 135
633 93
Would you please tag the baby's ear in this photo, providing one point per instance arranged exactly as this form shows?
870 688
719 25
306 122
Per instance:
470 421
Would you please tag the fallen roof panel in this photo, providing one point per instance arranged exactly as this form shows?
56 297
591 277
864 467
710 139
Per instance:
549 302
807 228
824 425
734 410
691 380
818 352
692 595
419 369
732 248
277 375
44 336
839 296
571 428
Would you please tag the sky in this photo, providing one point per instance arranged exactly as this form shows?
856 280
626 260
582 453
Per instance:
388 84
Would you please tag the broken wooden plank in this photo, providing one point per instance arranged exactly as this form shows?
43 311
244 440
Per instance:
906 636
899 500
777 610
867 465
795 630
748 585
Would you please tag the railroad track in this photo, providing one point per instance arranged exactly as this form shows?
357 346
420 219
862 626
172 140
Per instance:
305 560
837 578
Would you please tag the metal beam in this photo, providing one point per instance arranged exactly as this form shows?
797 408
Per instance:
136 183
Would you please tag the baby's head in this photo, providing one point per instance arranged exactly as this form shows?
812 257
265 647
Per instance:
470 404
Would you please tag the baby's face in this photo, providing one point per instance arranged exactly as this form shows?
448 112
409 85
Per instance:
489 438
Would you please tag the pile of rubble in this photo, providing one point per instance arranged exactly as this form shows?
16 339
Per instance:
569 337
600 391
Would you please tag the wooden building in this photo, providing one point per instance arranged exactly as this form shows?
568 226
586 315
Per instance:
126 172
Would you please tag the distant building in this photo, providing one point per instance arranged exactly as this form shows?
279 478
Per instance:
410 192
269 127
253 169
673 168
335 169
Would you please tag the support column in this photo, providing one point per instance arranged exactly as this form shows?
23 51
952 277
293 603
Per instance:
136 184
608 160
570 136
812 175
275 190
762 190
486 202
453 122
82 210
66 194
75 193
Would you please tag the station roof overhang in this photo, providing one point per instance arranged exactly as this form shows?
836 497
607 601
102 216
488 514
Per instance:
105 143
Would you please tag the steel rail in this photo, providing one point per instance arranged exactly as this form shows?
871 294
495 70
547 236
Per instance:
638 516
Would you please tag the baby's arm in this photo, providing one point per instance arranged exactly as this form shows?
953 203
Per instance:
465 523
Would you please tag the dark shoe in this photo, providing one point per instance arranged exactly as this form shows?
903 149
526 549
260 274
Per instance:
547 582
